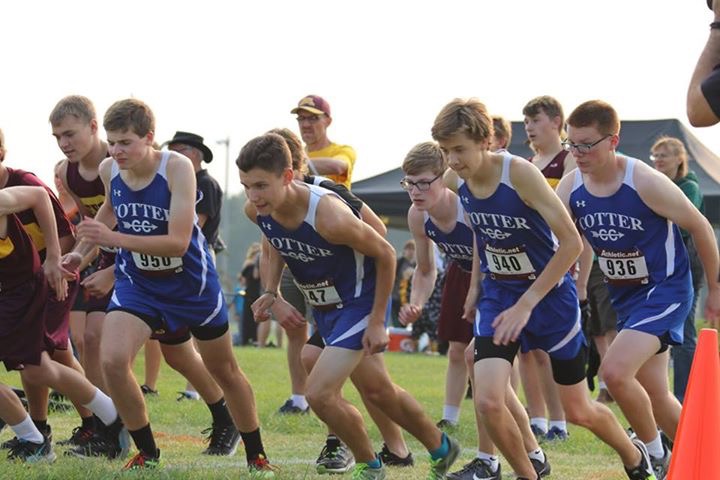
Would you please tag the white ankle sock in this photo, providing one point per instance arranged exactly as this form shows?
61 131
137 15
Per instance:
655 447
538 455
493 460
299 401
102 406
540 422
452 413
26 430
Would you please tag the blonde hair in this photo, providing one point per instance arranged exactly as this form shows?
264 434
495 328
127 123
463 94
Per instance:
76 105
677 148
468 116
424 156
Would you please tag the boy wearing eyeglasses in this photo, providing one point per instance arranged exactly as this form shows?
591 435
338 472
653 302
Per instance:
332 160
630 213
345 270
437 216
525 245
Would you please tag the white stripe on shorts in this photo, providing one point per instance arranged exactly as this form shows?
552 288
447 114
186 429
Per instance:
358 327
664 314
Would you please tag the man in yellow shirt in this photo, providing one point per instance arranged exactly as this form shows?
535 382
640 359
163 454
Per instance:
328 159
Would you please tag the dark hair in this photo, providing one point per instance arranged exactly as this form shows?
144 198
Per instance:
268 152
297 152
598 114
547 105
129 114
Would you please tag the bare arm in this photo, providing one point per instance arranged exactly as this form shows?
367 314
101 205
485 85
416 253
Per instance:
698 110
330 166
423 279
371 218
17 199
667 200
337 224
181 182
534 189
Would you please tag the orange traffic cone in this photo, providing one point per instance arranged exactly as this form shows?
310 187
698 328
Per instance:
695 452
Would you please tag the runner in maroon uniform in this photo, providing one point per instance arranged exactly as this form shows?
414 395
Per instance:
24 342
57 312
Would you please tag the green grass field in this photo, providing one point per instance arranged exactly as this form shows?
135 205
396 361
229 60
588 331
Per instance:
292 442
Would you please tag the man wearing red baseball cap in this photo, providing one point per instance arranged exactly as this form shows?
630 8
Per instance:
329 159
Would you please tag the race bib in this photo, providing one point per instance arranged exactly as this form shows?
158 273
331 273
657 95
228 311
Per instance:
320 294
153 263
509 263
623 268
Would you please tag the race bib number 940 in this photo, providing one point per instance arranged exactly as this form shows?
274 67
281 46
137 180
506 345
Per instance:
320 294
154 263
509 263
623 268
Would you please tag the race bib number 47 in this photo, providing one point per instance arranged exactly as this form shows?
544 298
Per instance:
623 268
320 294
509 263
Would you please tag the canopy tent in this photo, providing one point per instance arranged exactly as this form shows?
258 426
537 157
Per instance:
384 195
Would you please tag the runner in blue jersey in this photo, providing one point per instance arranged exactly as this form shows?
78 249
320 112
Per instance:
165 279
345 270
525 245
629 213
334 457
437 216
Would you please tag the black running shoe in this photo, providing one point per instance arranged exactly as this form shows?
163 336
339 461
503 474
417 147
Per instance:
80 436
111 441
13 442
391 460
30 452
643 471
477 469
223 439
541 468
147 391
334 459
290 408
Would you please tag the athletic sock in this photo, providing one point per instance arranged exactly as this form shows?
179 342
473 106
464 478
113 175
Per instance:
493 460
102 406
220 413
26 430
253 444
451 413
88 423
561 424
655 448
540 422
443 450
144 440
299 401
41 425
538 455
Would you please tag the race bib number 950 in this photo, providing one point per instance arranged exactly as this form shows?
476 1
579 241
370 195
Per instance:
154 263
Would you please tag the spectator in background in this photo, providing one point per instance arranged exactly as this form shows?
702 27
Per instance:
251 274
703 97
670 158
404 265
238 302
328 159
502 134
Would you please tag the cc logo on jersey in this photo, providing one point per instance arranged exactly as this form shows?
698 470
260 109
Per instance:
606 235
495 234
140 226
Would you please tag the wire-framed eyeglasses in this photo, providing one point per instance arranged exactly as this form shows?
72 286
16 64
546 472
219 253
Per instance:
582 147
422 185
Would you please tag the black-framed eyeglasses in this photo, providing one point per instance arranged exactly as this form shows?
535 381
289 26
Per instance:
582 147
422 185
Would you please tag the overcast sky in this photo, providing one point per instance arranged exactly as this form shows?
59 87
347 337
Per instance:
223 68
